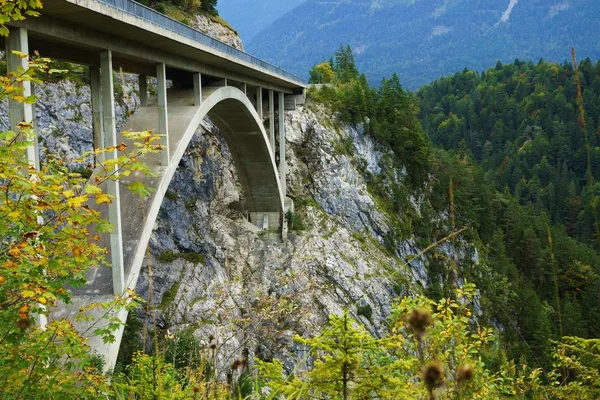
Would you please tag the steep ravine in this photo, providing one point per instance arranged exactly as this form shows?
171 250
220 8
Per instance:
217 274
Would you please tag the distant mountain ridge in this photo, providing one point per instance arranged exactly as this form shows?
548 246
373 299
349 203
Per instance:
422 40
249 17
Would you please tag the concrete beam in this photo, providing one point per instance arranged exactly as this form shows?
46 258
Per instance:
97 115
282 166
65 34
163 122
21 112
272 121
197 89
290 103
143 89
110 137
259 102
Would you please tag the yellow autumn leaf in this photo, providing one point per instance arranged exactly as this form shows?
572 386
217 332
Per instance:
92 189
77 201
28 294
103 198
69 193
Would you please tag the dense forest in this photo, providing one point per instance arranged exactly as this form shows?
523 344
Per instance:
524 160
509 158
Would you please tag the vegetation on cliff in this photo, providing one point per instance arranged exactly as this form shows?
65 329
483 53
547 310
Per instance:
515 162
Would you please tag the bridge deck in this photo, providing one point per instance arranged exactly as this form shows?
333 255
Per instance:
139 37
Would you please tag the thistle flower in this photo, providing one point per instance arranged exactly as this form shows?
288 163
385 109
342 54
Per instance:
433 375
419 319
465 373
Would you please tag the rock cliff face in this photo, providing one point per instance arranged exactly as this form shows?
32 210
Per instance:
217 31
218 275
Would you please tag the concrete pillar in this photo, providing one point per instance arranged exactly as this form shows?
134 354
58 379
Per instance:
272 121
197 89
259 102
163 123
143 89
20 112
97 117
282 166
110 137
243 88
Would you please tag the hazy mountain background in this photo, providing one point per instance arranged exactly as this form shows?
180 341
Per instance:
249 17
421 40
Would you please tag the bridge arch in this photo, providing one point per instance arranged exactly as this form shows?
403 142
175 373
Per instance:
233 114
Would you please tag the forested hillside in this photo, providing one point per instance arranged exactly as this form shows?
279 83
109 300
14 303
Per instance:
517 151
423 40
507 161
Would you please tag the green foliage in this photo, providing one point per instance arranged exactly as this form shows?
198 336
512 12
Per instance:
150 377
209 6
321 73
520 122
47 245
169 256
364 311
387 112
17 11
351 364
516 156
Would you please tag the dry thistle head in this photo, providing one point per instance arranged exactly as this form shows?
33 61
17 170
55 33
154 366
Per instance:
236 364
419 319
465 373
433 375
196 389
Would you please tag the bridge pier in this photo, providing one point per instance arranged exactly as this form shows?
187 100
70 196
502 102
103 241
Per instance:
272 121
112 188
21 112
143 89
97 117
197 89
282 166
259 102
163 123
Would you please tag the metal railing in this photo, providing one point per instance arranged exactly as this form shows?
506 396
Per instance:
147 14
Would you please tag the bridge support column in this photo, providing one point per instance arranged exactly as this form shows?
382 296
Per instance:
244 88
143 89
259 102
110 137
282 166
272 121
97 117
21 112
163 123
197 89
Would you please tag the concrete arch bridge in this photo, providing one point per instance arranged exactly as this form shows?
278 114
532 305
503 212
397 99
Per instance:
239 93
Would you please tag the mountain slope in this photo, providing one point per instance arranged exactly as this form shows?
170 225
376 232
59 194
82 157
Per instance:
250 17
422 40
